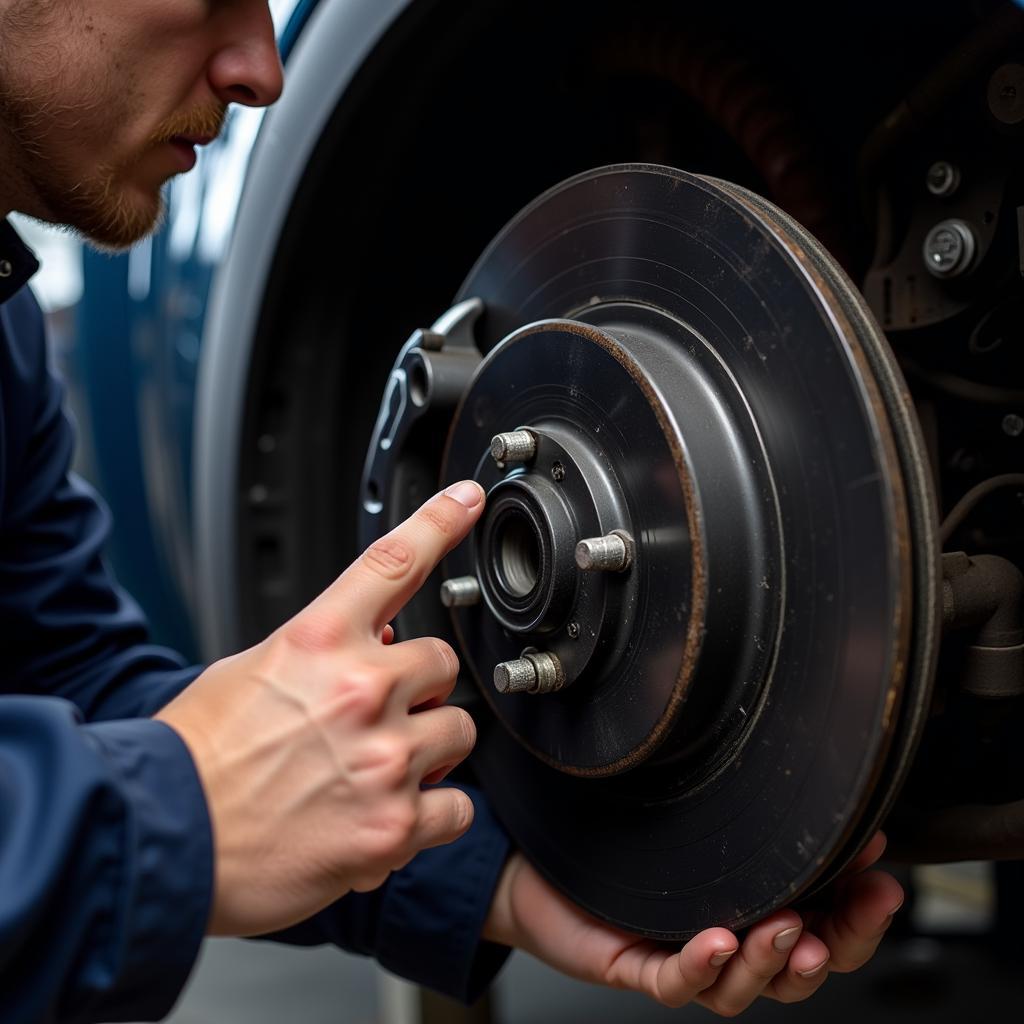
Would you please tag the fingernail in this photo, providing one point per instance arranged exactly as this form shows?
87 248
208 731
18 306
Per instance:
466 492
786 940
814 971
895 910
720 958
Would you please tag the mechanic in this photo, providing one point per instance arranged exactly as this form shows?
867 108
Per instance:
145 804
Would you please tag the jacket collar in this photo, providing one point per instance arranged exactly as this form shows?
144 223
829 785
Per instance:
17 262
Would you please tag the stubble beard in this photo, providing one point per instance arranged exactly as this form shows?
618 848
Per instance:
102 205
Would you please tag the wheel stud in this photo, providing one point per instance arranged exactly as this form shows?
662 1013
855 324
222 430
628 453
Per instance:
611 553
516 446
532 673
461 592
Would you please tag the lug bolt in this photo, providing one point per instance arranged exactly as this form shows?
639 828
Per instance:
516 446
612 553
949 248
943 178
1013 425
538 672
461 592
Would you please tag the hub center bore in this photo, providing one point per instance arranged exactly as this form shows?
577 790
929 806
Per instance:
524 554
519 555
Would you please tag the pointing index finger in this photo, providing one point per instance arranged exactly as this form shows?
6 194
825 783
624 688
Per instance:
380 582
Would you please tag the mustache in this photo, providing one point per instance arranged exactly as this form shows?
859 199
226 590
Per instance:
202 121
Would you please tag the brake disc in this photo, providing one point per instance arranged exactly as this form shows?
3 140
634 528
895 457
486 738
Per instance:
701 603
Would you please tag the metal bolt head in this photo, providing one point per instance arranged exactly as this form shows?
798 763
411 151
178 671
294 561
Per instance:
612 553
558 472
949 248
517 676
534 672
515 446
573 630
943 178
1013 425
1006 94
460 592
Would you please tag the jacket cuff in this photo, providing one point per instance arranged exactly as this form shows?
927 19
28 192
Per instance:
164 903
433 912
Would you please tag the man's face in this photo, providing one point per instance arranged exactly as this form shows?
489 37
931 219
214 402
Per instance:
102 101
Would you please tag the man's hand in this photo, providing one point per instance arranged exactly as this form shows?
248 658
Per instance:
308 747
781 957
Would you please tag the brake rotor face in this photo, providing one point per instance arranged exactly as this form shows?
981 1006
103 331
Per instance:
736 707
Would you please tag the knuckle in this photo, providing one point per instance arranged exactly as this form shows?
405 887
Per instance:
467 729
726 1007
361 694
463 812
445 516
367 883
447 655
390 832
390 557
760 970
312 630
387 758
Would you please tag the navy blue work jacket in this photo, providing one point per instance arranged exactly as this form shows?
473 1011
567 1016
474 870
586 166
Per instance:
106 860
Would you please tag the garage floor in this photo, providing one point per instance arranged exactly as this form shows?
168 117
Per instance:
937 980
919 981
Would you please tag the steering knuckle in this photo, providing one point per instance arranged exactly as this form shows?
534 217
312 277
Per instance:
391 558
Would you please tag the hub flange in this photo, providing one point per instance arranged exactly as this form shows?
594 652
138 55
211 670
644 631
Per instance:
613 413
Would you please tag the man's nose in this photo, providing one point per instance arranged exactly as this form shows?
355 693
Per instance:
247 68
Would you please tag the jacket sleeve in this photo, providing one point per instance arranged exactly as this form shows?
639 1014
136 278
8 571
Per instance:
69 630
425 922
105 866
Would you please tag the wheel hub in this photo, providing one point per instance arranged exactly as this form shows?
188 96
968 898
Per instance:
624 419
